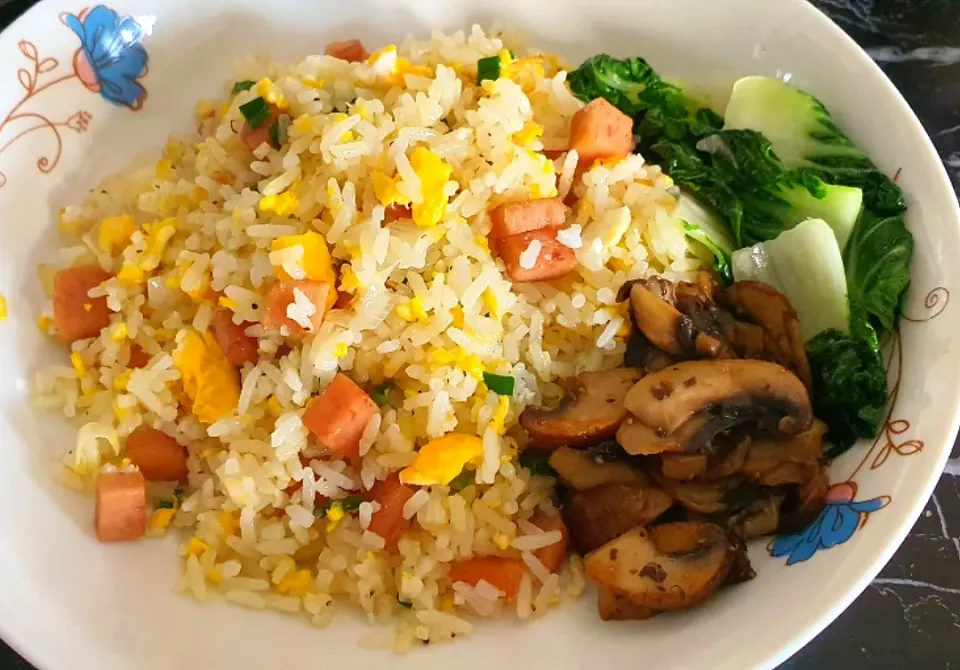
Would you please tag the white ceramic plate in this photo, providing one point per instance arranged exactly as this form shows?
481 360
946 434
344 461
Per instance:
69 602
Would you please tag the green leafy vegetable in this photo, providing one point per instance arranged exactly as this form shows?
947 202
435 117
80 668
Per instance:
804 134
849 387
537 462
255 112
499 384
461 481
737 173
805 265
348 504
381 394
244 85
704 227
877 261
488 68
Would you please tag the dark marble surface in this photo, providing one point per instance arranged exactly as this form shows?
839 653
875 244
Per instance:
910 616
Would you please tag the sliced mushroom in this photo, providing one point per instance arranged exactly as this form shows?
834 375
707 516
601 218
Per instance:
726 461
598 515
656 318
702 497
616 606
758 391
581 470
792 461
590 415
668 567
764 305
641 353
639 440
741 569
805 504
760 518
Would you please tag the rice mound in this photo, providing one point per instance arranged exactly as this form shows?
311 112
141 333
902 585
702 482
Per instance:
430 310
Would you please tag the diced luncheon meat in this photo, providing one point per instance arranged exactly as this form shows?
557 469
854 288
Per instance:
158 456
282 296
388 521
138 357
601 131
121 506
77 316
553 555
552 259
351 51
238 347
503 573
514 218
339 416
254 137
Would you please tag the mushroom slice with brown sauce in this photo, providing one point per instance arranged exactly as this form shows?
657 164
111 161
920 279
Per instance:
727 460
761 392
763 305
598 515
588 416
791 461
805 503
581 470
640 440
657 319
668 567
757 519
719 497
616 606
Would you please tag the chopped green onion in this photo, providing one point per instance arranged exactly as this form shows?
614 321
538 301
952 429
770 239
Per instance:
255 188
351 503
275 135
461 481
173 502
244 85
380 394
404 603
488 68
255 112
165 504
537 462
321 510
499 384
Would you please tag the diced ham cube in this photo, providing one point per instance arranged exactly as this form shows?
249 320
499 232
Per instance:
601 131
237 346
76 316
339 416
351 51
159 457
281 296
522 217
553 261
121 507
388 521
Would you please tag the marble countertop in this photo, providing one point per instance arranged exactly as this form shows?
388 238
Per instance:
910 615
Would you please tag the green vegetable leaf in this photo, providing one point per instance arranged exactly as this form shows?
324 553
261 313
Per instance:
849 388
537 462
619 82
721 259
499 384
877 262
351 503
805 135
244 85
488 68
255 112
381 394
461 481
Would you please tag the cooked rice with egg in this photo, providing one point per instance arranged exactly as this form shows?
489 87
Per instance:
424 305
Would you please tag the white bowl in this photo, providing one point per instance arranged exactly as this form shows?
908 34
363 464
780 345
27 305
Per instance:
70 602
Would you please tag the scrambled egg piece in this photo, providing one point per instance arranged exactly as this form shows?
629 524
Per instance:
297 583
284 204
159 235
228 522
380 65
79 367
160 520
334 516
434 174
164 169
315 262
440 461
3 308
385 188
115 232
529 133
500 416
131 274
267 90
195 547
209 381
303 124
